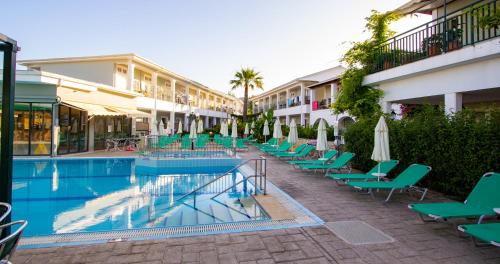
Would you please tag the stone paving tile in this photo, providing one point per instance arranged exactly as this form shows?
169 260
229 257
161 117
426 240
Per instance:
416 242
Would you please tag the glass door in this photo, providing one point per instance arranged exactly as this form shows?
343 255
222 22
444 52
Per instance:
41 129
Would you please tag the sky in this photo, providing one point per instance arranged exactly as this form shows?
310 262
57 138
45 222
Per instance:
206 41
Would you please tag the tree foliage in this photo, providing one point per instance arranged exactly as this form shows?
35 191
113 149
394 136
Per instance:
354 97
246 78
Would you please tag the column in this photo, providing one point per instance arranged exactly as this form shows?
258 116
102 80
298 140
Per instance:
313 97
55 129
386 107
287 120
269 102
154 83
198 98
333 91
214 121
134 126
452 103
205 123
186 120
302 94
172 113
303 119
130 76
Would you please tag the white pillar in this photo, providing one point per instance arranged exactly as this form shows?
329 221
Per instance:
287 120
215 120
302 94
172 113
130 76
269 102
154 83
333 91
198 98
313 97
452 103
278 101
386 107
186 119
205 125
303 119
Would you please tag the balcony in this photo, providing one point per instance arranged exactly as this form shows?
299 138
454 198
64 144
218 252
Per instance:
466 26
322 104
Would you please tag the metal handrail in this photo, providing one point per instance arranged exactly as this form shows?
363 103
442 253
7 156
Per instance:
219 177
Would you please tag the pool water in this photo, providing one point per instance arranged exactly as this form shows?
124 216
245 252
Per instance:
61 196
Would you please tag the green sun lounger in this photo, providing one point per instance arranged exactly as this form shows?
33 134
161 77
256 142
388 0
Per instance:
330 154
405 180
281 149
337 164
480 203
240 144
383 167
275 146
269 143
489 233
302 154
185 143
296 151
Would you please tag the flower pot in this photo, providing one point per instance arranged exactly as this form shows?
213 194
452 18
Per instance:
453 45
388 65
433 50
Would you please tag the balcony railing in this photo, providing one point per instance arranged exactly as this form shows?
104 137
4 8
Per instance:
469 25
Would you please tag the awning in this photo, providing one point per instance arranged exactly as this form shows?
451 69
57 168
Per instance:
129 112
93 109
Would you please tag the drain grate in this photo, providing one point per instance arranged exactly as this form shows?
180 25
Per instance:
358 233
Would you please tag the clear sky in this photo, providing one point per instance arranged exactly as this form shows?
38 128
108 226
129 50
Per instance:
204 40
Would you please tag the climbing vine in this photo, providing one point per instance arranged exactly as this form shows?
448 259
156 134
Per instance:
354 97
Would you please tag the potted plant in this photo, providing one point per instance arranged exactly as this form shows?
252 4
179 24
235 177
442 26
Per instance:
454 37
489 21
433 45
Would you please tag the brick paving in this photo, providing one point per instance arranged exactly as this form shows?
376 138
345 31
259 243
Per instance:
416 242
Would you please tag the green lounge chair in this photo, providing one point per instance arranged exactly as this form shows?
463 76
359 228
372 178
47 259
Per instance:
240 144
489 233
302 153
480 203
270 142
405 180
281 148
337 164
185 143
287 153
271 146
330 154
383 167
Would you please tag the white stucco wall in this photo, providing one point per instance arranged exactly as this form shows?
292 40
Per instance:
96 71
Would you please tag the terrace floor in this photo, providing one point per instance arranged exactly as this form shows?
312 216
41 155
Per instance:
415 242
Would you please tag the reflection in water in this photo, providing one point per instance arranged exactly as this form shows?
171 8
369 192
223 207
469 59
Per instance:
64 196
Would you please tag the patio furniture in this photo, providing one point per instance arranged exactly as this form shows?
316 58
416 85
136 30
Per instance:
297 150
488 233
240 144
406 180
270 142
330 154
383 167
8 244
480 203
5 210
337 164
281 149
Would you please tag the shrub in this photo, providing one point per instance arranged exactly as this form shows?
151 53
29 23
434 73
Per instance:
459 148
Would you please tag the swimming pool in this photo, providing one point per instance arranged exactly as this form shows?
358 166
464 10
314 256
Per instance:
59 196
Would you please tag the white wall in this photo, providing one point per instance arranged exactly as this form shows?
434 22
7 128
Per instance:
294 110
97 71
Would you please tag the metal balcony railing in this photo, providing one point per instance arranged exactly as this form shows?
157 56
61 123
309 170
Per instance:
466 26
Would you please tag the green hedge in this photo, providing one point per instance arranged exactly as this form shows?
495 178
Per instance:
460 148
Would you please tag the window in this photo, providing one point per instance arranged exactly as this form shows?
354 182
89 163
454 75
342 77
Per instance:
32 129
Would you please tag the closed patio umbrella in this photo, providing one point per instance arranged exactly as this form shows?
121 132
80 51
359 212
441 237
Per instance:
277 133
321 140
225 132
234 132
265 131
169 129
179 129
200 126
161 128
192 130
221 130
154 131
247 129
293 136
381 150
253 125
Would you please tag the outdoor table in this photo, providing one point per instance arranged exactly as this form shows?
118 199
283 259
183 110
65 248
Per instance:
379 175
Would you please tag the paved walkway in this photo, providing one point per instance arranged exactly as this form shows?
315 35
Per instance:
416 242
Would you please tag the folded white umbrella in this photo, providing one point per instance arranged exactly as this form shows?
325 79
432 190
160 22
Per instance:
321 141
226 129
192 130
169 129
221 130
381 150
293 136
234 130
251 131
265 131
161 128
200 126
179 130
253 125
247 129
277 133
154 130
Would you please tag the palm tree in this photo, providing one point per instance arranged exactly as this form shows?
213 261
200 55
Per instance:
248 79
